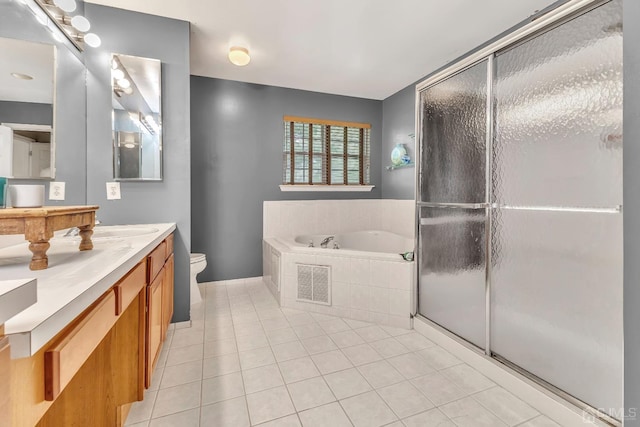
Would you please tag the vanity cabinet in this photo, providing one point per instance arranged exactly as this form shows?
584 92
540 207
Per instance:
100 363
159 303
5 380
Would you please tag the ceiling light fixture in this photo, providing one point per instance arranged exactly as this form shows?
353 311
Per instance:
239 56
55 14
66 5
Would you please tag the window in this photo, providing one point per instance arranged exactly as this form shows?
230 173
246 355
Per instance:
322 152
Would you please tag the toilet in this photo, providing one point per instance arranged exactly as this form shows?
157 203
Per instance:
198 263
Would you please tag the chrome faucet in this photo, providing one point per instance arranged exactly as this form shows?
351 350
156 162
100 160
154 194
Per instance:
326 241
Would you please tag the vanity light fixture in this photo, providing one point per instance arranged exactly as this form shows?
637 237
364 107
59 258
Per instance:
124 83
117 74
239 56
54 14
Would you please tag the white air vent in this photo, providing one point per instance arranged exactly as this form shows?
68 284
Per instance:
314 284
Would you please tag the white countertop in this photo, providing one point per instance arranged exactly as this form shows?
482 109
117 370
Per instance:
74 279
15 296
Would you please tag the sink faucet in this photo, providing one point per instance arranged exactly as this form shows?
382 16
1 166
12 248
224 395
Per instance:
326 241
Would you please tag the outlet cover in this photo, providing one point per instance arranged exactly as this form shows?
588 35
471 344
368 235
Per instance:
56 190
113 191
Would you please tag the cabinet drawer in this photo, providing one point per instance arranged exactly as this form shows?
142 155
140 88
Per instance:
155 261
130 286
64 358
169 248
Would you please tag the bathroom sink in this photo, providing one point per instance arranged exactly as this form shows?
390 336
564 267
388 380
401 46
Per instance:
121 232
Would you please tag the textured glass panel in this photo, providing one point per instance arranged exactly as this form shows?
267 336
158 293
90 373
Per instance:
558 139
452 282
557 299
454 138
305 282
321 284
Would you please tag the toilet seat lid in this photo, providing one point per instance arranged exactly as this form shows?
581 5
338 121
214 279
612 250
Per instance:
197 257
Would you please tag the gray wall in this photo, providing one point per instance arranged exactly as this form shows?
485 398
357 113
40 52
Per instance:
236 157
160 38
32 113
398 121
70 131
631 160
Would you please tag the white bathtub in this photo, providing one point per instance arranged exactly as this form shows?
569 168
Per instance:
363 241
368 279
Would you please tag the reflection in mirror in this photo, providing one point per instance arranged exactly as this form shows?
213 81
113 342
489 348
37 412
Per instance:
27 78
137 118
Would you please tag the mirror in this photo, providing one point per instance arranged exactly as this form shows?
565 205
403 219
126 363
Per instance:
27 90
137 118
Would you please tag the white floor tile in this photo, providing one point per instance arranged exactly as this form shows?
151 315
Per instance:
404 399
439 358
346 339
505 405
230 413
368 410
220 365
380 374
331 361
219 348
355 324
288 421
310 393
394 332
141 411
269 404
389 347
256 339
411 365
540 421
275 324
181 355
280 336
438 389
334 325
431 418
414 341
181 374
347 383
221 388
467 378
177 399
361 354
262 378
300 319
319 344
331 415
467 412
255 358
288 351
190 418
298 370
372 333
187 337
308 331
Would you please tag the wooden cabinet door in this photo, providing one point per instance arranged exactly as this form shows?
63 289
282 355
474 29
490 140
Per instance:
167 295
5 395
154 329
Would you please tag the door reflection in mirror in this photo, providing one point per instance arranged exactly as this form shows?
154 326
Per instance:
137 118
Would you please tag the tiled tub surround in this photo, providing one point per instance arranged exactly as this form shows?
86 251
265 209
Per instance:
245 361
366 286
299 217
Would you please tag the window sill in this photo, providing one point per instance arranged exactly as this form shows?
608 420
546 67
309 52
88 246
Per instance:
329 188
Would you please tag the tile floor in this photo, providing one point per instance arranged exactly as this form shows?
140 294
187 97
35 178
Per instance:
246 362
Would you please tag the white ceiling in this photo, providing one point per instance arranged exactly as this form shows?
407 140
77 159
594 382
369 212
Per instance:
363 48
33 59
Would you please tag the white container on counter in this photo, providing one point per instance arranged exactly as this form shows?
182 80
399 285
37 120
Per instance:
26 196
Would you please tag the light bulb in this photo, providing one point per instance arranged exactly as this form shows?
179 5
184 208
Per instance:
124 83
80 23
66 5
117 74
128 90
92 40
114 64
129 145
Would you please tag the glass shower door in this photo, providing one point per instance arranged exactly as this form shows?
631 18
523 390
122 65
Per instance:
452 203
556 279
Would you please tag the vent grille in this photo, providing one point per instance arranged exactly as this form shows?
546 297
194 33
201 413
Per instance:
314 284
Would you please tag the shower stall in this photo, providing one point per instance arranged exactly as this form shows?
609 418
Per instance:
519 203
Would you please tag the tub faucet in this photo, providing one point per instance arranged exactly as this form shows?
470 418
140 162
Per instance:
326 241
